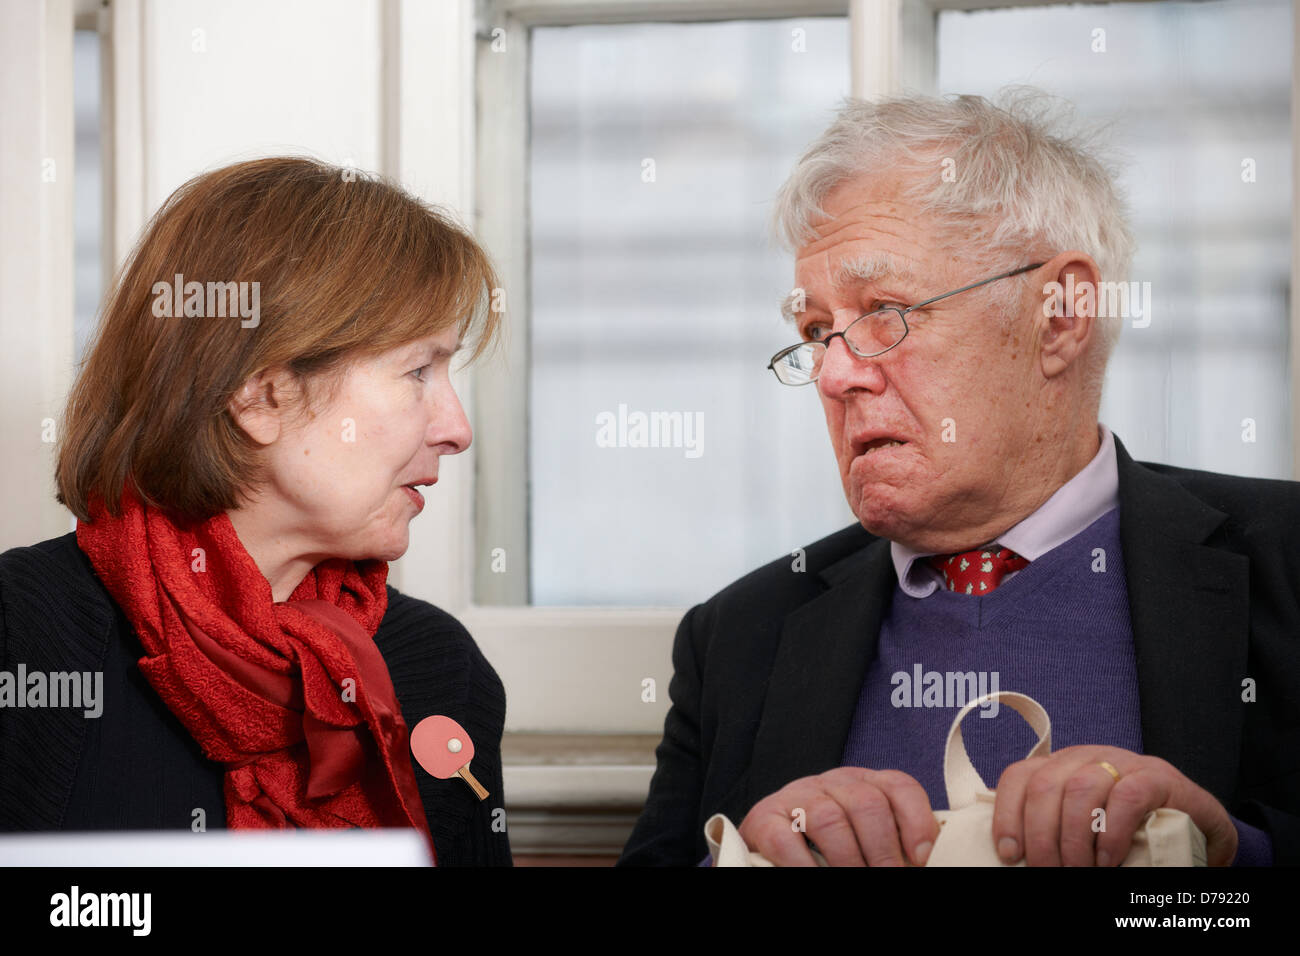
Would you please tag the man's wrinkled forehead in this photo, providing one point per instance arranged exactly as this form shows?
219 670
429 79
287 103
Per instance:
860 205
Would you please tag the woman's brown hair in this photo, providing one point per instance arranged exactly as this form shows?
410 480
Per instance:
346 265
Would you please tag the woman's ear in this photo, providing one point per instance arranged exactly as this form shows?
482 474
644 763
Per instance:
261 404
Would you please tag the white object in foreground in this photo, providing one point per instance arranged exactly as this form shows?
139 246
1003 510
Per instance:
377 847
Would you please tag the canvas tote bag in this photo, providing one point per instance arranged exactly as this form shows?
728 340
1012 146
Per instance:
1165 838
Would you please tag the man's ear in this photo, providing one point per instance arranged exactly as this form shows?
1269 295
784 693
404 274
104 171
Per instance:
1068 319
261 405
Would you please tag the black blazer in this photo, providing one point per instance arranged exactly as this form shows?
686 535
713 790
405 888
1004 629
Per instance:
767 673
136 767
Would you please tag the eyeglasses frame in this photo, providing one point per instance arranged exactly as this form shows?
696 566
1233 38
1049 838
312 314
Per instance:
902 313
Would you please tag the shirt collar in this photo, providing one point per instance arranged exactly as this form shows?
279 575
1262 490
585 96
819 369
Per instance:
1074 506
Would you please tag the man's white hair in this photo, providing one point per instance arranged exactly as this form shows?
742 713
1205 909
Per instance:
1021 162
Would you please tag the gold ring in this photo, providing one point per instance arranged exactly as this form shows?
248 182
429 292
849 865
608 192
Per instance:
1109 768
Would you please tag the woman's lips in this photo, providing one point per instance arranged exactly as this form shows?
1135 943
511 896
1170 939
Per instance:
415 497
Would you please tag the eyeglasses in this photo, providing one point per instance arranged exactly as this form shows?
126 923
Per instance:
866 336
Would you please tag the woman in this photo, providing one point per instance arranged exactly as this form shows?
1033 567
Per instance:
243 451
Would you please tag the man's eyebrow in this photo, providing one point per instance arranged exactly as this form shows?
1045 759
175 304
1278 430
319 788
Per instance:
872 267
869 267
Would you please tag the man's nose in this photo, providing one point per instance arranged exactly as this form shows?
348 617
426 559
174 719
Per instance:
842 370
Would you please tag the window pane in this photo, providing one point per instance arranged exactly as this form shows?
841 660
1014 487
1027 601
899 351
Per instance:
656 151
1201 96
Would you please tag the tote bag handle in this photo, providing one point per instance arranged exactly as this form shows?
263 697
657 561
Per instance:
960 778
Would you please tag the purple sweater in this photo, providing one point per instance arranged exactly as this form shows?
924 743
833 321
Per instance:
1057 631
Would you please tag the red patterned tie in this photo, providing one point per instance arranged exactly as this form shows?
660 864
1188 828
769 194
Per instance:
979 571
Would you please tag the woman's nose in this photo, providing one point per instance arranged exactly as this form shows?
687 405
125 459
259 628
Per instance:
450 425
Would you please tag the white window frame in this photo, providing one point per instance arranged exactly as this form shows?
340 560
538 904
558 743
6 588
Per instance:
37 237
37 242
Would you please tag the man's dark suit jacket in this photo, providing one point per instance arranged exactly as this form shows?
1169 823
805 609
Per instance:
768 672
136 767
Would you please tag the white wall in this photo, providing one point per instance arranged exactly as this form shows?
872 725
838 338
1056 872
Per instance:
227 80
36 255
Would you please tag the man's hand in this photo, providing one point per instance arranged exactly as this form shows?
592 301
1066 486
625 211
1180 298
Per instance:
857 817
1045 807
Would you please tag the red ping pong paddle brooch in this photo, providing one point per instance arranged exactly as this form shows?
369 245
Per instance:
444 750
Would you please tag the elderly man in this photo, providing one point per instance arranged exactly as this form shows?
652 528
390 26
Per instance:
948 256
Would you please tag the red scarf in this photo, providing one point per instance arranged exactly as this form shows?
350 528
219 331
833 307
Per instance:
293 698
